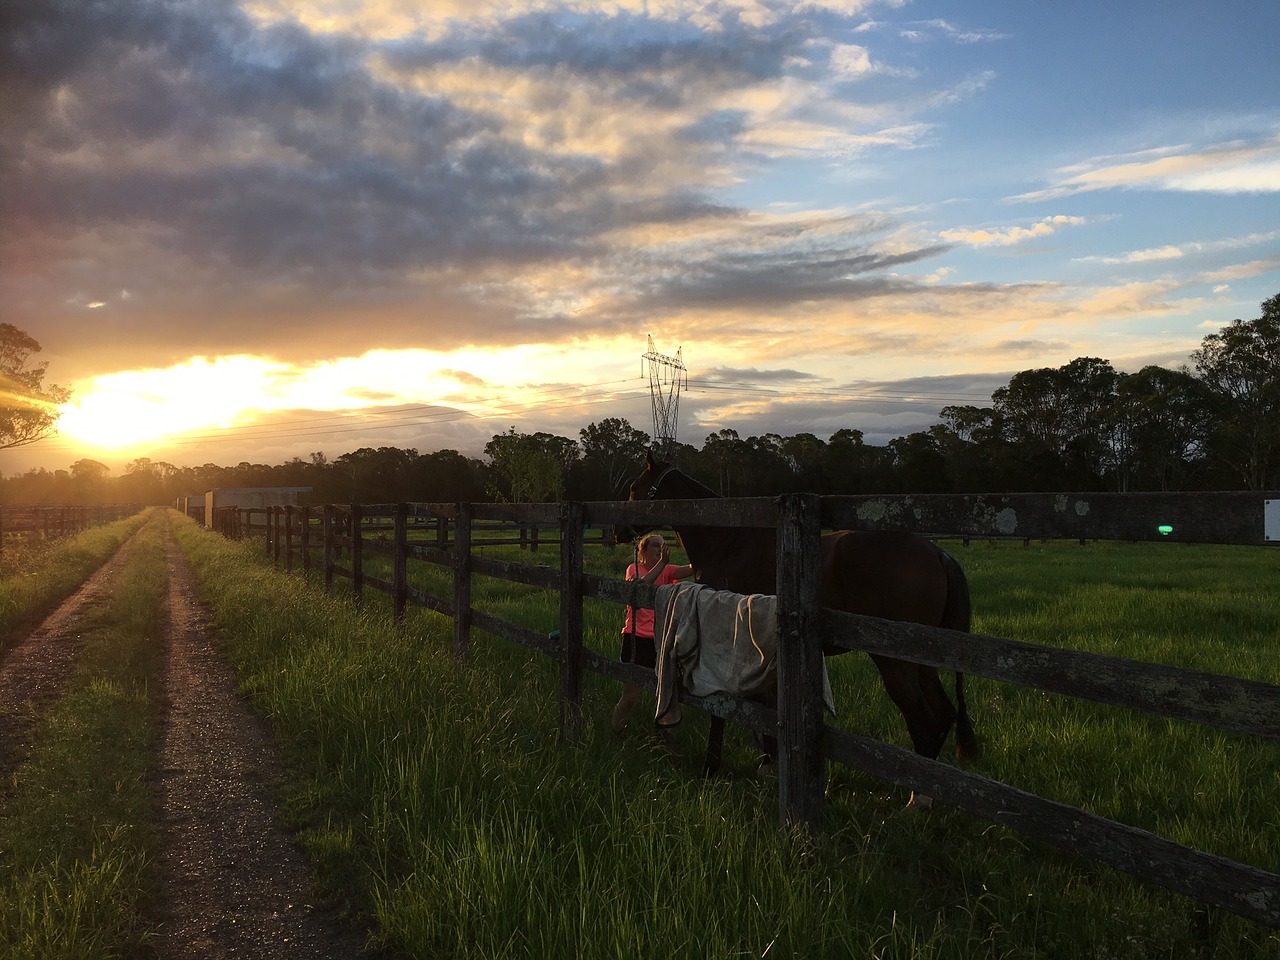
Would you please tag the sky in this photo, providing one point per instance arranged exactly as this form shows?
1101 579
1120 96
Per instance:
252 230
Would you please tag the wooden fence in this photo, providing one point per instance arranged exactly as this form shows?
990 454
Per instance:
57 521
806 744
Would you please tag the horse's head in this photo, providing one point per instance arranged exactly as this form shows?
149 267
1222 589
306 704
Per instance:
643 487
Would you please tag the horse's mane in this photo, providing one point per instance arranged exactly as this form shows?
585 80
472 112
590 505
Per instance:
703 491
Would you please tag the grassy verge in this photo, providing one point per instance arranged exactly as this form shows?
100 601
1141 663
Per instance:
441 795
34 581
74 825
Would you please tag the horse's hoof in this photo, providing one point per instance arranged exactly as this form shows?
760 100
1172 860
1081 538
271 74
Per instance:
766 768
920 801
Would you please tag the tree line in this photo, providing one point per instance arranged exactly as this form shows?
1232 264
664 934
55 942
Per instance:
1084 426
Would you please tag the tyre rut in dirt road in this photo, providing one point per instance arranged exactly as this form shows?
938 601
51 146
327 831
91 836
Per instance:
35 670
234 883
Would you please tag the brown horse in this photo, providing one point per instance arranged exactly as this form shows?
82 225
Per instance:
887 574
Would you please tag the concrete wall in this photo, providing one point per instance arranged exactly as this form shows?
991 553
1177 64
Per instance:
249 497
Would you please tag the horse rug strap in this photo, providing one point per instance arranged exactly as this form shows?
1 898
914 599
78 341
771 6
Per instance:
716 641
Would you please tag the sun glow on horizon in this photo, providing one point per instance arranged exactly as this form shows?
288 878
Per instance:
136 408
128 408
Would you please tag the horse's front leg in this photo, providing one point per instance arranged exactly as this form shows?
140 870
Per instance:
767 743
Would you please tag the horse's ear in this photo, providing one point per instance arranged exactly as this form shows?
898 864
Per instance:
648 456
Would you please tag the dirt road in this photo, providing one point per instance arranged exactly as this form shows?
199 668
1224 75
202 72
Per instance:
233 883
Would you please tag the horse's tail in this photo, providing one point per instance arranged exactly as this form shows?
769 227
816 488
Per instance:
958 615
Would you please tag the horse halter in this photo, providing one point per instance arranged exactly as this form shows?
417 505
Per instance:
653 488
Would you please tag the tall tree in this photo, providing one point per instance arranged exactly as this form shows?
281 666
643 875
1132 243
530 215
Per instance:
616 449
380 476
853 466
530 468
728 452
1160 423
29 411
446 476
805 455
1058 417
1241 366
919 461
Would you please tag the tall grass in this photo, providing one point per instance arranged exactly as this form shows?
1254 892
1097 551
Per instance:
34 581
74 819
441 796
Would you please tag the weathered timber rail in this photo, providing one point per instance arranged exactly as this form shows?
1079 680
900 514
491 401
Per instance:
446 537
52 522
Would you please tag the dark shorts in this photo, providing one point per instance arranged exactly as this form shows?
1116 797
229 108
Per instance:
639 650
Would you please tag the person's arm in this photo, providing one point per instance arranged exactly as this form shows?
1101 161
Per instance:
673 572
663 561
656 570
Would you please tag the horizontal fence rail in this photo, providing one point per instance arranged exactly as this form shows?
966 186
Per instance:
334 539
52 522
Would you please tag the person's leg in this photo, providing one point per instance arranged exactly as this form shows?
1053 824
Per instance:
626 703
640 651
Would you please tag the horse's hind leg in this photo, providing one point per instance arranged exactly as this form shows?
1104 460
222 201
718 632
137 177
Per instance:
920 697
942 711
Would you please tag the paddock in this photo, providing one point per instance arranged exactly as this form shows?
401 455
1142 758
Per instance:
1249 708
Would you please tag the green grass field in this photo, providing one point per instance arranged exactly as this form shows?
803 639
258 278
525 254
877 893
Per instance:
440 807
75 817
441 795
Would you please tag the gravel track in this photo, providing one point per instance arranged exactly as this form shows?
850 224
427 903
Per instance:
232 881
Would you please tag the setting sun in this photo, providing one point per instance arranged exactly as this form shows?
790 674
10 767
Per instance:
148 408
125 409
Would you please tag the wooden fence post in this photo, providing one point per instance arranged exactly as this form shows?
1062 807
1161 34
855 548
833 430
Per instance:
328 547
801 768
400 562
288 538
570 621
355 524
305 539
275 516
462 582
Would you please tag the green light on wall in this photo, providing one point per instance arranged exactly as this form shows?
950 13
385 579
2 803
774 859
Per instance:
1165 529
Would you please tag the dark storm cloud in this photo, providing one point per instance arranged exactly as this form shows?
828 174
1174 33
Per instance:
319 190
650 59
281 136
777 277
179 164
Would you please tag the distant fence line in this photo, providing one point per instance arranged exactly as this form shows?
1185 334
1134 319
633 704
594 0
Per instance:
52 522
1228 517
805 742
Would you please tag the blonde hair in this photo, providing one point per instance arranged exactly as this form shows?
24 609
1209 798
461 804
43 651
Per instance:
648 538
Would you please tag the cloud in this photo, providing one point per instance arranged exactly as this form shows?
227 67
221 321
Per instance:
320 182
397 18
1178 251
1010 236
1242 271
754 375
1236 167
276 176
923 30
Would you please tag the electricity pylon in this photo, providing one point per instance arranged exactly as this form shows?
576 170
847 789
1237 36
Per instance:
666 378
